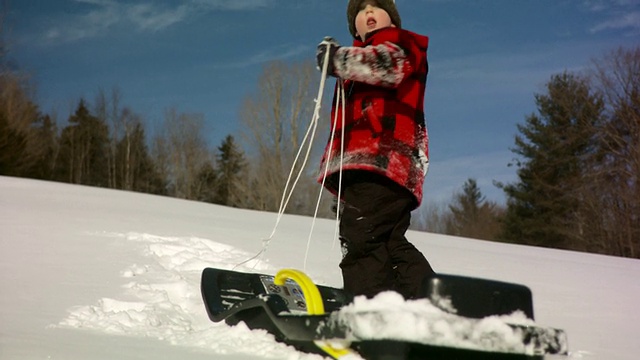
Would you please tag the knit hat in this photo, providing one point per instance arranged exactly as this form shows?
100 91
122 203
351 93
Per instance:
387 5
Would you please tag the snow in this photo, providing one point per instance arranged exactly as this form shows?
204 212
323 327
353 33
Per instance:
88 273
421 321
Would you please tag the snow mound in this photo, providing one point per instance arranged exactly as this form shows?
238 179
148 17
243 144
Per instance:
422 322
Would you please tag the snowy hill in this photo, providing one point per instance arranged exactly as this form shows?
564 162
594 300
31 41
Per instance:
89 273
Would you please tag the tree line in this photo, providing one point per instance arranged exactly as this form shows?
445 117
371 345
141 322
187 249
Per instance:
105 144
577 158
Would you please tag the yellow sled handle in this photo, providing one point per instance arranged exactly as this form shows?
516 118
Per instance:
314 307
309 289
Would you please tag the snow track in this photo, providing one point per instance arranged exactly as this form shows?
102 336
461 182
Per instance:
161 299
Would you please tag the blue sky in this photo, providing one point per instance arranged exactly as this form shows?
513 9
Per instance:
487 60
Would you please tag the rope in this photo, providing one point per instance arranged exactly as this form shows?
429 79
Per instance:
344 109
287 193
340 101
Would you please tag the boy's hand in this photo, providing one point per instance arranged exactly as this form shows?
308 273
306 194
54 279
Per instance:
331 45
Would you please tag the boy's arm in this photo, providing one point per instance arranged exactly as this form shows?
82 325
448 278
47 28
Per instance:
385 64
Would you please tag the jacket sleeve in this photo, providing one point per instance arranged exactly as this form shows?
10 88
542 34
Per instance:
385 64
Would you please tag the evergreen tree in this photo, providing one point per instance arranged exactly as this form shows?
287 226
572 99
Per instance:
13 144
553 147
46 136
83 149
470 215
206 184
231 173
466 208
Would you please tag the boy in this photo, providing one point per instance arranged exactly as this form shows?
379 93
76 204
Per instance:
385 148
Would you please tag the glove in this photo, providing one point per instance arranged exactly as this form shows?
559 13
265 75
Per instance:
331 45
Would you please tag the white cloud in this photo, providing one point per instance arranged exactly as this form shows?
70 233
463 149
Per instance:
617 14
148 17
277 53
92 23
604 5
142 16
234 4
628 21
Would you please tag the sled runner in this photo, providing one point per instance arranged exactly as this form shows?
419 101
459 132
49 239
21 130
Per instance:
306 316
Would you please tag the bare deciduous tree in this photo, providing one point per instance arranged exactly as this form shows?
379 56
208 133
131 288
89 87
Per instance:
274 122
613 196
182 152
107 109
18 114
430 217
3 44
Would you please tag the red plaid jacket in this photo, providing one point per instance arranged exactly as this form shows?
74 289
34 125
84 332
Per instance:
384 79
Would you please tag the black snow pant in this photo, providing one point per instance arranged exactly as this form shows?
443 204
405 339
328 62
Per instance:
377 256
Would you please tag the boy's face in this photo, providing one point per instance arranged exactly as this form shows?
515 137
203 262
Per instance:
370 18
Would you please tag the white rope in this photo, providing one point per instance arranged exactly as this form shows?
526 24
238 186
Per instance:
340 101
287 193
344 108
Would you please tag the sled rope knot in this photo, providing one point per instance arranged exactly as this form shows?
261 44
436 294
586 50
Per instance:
315 306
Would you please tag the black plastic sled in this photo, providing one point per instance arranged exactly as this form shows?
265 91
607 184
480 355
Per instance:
282 310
